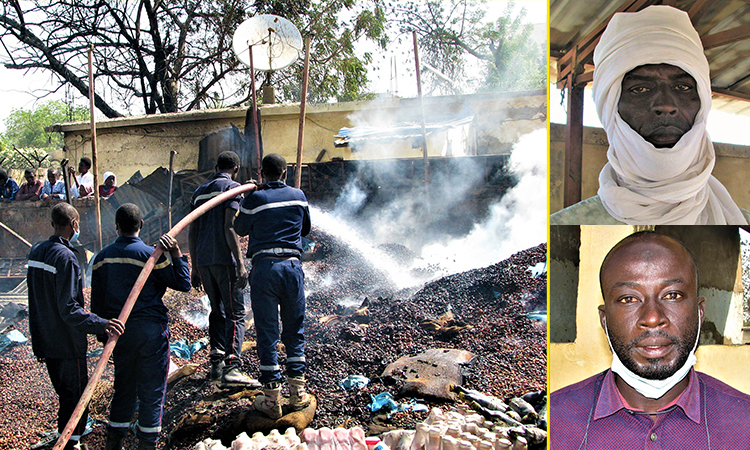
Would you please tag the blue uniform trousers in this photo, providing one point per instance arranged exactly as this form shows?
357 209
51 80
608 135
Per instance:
141 362
226 323
279 284
69 378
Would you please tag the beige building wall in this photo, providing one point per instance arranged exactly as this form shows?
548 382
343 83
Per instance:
732 166
589 354
126 145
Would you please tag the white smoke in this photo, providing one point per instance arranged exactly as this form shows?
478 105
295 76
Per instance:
518 221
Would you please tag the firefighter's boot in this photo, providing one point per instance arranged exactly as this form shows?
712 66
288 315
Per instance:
298 396
268 402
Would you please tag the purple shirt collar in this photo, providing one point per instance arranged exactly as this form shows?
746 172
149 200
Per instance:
610 401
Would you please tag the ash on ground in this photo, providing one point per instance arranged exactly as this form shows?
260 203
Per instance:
488 307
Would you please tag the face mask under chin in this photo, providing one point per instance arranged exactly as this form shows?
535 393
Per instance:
652 388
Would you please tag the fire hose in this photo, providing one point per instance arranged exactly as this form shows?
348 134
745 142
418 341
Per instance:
130 302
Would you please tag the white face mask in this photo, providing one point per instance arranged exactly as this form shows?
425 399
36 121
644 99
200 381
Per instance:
652 388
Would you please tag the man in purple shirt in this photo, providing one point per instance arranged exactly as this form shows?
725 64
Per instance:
651 398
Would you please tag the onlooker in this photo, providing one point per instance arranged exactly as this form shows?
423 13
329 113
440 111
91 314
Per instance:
142 353
57 320
110 185
275 219
84 182
8 187
31 188
218 266
54 187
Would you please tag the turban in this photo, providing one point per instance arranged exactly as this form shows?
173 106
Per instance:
642 184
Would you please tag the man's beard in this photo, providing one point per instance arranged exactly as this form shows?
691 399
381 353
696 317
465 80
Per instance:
655 369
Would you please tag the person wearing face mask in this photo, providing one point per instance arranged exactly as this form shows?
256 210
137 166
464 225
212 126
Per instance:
57 320
652 89
651 397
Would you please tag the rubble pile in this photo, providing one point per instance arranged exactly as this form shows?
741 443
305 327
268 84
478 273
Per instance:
357 323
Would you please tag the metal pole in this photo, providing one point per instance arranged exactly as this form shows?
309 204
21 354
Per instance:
128 307
169 189
94 166
66 181
421 108
302 108
256 125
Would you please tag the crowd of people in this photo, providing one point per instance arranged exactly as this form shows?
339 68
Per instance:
34 189
273 215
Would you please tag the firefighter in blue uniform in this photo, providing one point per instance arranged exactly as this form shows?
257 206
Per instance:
141 356
219 268
57 320
275 218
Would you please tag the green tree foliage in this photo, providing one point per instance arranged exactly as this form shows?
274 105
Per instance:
155 56
476 52
25 143
25 128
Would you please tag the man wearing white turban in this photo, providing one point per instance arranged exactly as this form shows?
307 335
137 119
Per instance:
652 91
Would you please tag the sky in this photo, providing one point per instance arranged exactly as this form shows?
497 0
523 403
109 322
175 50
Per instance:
21 90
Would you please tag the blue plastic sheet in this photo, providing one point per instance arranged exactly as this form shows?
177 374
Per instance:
537 270
354 382
383 401
538 315
185 350
11 338
307 245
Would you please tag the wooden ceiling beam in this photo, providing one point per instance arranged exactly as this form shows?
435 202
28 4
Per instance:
585 47
726 37
731 94
698 9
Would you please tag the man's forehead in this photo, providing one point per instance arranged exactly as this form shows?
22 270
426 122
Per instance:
647 249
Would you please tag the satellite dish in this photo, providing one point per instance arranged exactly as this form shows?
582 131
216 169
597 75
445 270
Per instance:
275 41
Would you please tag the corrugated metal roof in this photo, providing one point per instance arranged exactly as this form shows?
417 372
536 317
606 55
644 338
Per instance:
724 27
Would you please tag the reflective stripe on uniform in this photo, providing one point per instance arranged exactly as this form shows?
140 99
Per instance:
296 359
149 429
208 196
43 266
131 261
273 205
119 424
270 368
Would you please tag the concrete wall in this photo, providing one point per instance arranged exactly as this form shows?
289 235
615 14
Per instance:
32 221
732 166
717 253
143 143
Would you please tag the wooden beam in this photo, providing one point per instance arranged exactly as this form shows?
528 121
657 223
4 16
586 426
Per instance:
582 79
585 47
731 94
14 234
727 37
573 146
698 9
731 64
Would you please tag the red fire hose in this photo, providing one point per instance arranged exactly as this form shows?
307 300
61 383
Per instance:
128 307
